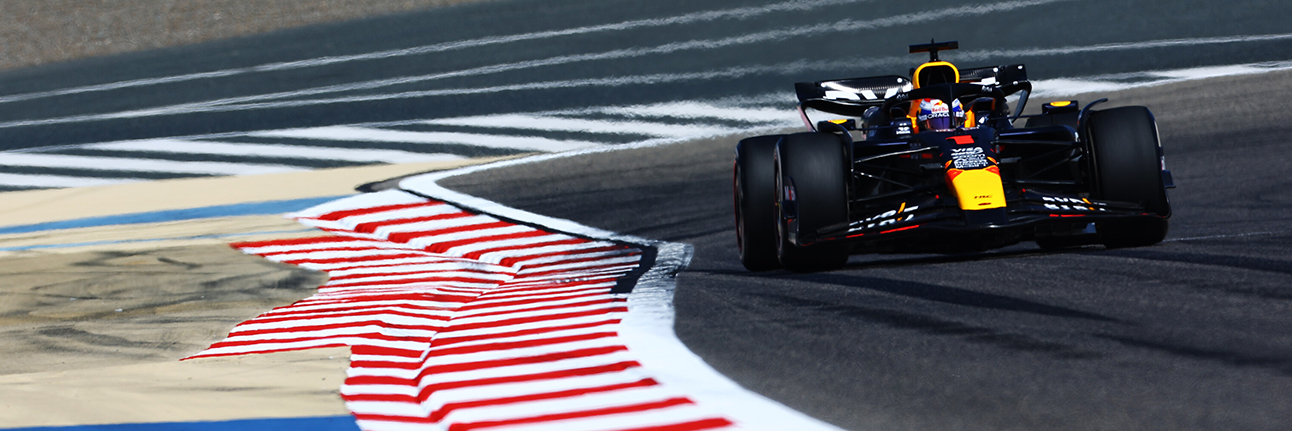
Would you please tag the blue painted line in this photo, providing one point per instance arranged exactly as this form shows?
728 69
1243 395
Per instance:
253 208
83 244
328 423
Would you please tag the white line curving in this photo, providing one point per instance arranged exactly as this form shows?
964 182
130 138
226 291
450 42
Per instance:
363 134
737 13
182 146
565 124
52 181
138 165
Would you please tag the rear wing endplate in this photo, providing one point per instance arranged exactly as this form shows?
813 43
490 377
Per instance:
1010 78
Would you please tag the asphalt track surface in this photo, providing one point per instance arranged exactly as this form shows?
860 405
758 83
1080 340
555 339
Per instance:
1189 334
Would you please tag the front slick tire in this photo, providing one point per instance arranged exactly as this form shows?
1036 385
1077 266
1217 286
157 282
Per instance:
815 167
754 190
1127 162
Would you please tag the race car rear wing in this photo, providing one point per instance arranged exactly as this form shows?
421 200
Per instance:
851 97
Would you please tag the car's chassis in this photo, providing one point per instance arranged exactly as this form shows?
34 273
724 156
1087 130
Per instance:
900 203
871 182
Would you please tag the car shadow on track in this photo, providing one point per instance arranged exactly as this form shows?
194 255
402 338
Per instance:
853 276
951 295
922 260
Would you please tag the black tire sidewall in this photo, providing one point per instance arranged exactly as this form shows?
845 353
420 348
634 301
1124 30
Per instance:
1127 158
816 164
754 195
1126 165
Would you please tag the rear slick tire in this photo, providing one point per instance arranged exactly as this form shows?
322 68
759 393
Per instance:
753 188
815 167
1127 167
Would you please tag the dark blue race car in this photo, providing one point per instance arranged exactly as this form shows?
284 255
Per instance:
933 163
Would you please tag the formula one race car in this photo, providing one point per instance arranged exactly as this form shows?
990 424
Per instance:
934 164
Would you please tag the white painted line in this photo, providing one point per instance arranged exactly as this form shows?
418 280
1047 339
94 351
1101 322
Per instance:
1236 235
139 165
736 72
396 216
59 181
1123 46
428 241
563 124
612 261
737 13
353 322
271 150
336 254
261 101
476 271
591 401
122 84
846 25
349 133
788 68
1110 83
695 110
304 248
465 249
661 418
371 263
360 200
602 320
498 256
309 344
421 226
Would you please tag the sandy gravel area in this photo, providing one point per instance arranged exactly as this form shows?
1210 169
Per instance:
94 333
42 31
288 384
94 309
96 337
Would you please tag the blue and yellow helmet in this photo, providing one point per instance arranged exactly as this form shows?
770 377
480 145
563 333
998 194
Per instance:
936 115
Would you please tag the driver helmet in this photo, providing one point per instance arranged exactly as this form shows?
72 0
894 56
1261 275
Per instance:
936 115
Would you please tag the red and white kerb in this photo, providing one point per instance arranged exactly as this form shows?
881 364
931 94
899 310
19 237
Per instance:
462 321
